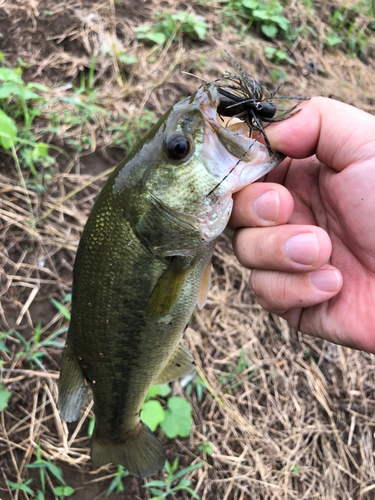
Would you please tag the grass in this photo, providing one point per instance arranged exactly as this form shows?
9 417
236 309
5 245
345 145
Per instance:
276 415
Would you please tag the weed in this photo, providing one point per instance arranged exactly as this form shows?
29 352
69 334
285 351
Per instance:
61 308
132 130
206 447
172 25
231 379
62 491
267 15
278 75
43 466
348 29
21 486
116 484
175 420
20 104
277 55
168 486
295 469
196 384
4 394
31 352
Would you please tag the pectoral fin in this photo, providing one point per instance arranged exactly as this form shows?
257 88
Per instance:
167 289
181 363
72 386
205 287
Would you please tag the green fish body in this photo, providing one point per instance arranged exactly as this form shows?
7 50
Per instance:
142 258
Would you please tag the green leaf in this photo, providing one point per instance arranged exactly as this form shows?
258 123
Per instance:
3 347
192 493
10 75
63 491
153 391
37 86
8 130
206 446
64 311
188 469
21 486
38 464
250 4
270 30
56 471
177 420
184 483
201 31
158 38
125 59
40 151
158 390
282 22
155 491
261 14
333 40
152 414
7 89
90 429
142 29
29 94
164 390
4 397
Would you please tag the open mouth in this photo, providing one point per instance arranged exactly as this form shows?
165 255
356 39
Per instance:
239 159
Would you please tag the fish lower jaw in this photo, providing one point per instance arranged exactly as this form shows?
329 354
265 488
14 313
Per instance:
212 223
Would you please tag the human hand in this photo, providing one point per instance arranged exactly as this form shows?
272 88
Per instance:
308 231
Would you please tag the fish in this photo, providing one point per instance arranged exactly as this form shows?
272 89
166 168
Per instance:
142 266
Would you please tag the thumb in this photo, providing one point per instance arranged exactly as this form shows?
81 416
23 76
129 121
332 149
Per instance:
337 133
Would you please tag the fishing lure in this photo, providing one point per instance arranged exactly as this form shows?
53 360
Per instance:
244 98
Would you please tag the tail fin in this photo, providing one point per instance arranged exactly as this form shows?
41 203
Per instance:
140 453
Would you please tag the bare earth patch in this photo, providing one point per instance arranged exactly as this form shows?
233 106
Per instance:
289 417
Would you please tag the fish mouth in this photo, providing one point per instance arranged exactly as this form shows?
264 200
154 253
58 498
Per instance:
241 158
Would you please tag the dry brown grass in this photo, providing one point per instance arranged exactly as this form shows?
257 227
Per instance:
297 421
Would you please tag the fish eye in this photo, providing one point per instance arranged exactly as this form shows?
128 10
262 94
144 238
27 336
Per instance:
177 147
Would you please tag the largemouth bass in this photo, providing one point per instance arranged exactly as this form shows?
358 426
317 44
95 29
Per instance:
142 264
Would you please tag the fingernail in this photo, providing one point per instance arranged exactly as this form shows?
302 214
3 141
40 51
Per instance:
303 248
326 280
266 206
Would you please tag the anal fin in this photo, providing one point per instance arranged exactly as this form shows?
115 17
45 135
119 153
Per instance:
72 386
139 451
181 363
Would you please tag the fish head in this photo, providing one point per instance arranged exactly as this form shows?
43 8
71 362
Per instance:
179 181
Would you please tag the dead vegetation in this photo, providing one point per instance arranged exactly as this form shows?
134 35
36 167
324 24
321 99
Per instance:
289 417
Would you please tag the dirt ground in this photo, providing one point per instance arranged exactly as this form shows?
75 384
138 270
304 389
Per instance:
298 421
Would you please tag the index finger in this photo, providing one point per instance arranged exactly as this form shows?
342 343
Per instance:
337 133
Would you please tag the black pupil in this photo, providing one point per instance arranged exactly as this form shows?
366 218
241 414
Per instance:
178 148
